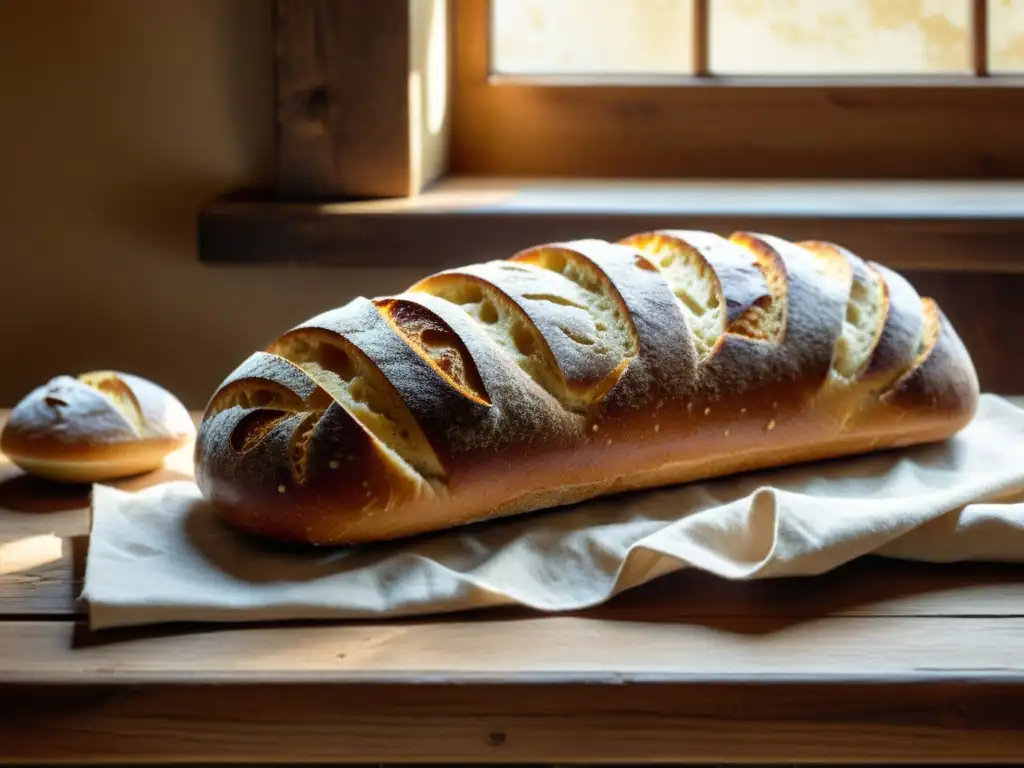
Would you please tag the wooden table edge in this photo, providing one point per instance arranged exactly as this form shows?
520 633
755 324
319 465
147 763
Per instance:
552 723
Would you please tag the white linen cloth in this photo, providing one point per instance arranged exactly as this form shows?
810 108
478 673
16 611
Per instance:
161 555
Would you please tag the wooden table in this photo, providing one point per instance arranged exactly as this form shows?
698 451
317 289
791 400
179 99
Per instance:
878 661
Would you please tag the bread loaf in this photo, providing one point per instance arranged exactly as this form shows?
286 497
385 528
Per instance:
96 426
574 370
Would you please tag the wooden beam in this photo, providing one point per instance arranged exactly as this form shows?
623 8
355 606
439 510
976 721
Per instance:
701 38
979 37
361 96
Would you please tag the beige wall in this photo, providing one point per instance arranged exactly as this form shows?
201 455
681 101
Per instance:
118 118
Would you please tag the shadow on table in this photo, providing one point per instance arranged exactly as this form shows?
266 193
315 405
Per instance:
30 495
23 493
868 586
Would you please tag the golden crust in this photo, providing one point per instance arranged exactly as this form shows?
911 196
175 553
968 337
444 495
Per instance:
97 426
480 411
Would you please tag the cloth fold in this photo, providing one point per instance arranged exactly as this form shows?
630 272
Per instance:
161 555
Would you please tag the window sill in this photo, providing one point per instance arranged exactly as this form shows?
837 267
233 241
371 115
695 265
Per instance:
940 226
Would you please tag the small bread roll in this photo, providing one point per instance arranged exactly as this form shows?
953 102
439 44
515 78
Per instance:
97 426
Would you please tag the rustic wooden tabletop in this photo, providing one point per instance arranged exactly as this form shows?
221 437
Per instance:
879 661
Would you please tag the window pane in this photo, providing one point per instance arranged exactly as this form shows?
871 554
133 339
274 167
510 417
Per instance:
839 37
1006 35
557 37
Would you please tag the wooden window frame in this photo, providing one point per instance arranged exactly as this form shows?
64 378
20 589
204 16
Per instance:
359 182
949 127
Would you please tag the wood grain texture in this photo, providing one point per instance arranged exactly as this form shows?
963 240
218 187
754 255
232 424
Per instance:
46 580
718 127
545 649
350 92
533 723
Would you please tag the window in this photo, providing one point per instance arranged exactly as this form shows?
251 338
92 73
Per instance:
739 88
754 37
429 133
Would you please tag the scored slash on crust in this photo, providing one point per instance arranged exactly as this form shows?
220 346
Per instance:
437 343
553 312
883 333
887 328
120 395
352 380
724 286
